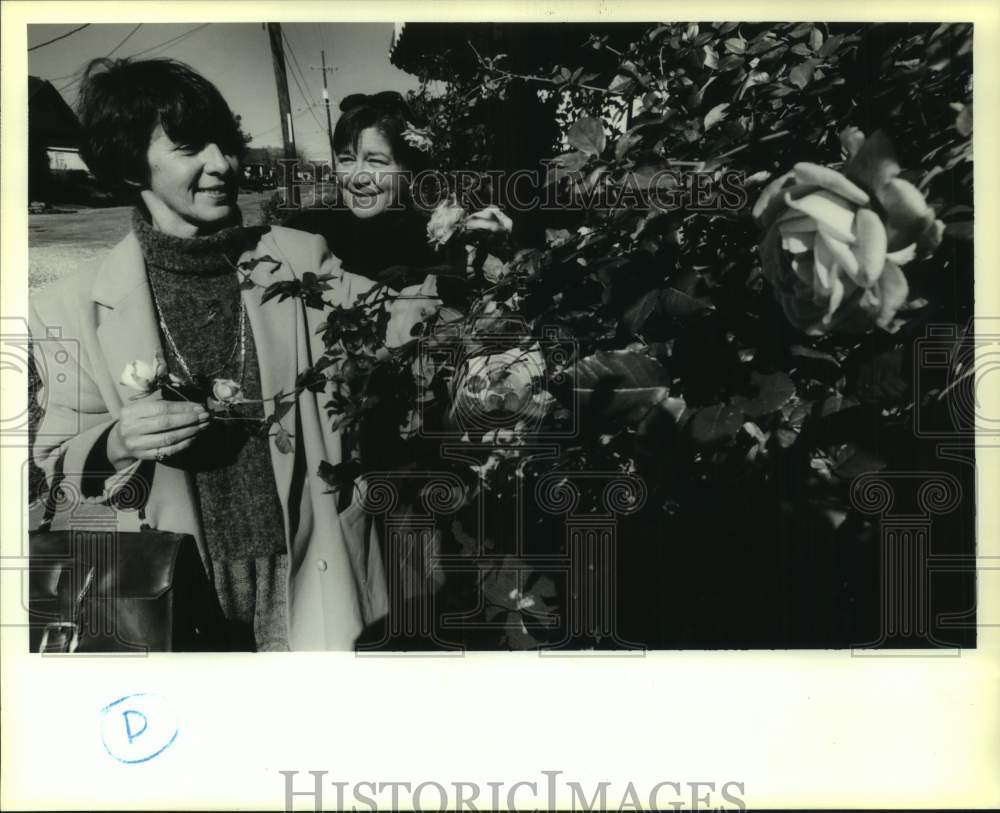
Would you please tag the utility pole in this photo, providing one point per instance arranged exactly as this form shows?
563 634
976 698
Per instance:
284 106
326 101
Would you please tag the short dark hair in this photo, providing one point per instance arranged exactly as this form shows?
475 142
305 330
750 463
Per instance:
123 100
388 113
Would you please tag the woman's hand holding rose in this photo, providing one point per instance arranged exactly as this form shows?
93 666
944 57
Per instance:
153 429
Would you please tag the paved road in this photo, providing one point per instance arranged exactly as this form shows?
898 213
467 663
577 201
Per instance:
59 244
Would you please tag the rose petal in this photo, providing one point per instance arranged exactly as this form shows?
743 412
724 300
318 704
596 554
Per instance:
904 255
794 222
800 190
901 235
902 199
874 163
870 300
841 253
771 202
851 139
833 215
830 180
836 297
931 238
870 246
825 268
797 243
893 290
907 212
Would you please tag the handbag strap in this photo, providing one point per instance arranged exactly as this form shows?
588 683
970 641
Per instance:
52 500
64 636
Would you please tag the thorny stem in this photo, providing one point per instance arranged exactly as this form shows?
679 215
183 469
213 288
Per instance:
532 78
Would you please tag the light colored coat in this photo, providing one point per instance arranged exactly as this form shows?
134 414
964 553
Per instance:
103 317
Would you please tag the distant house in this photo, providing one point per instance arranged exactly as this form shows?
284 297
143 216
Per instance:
54 138
53 125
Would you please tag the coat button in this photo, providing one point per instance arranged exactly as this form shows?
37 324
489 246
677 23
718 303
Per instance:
321 564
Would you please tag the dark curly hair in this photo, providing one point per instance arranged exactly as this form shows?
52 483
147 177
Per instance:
388 113
123 100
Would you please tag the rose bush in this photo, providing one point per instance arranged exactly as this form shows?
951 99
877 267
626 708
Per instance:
746 381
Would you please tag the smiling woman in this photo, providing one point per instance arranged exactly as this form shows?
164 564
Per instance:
190 187
203 433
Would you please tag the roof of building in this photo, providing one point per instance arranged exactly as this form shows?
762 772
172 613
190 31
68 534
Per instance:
51 120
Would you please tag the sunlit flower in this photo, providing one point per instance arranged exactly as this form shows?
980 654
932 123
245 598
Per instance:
831 251
417 138
226 391
446 219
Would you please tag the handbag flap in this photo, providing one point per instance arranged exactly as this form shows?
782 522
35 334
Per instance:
139 565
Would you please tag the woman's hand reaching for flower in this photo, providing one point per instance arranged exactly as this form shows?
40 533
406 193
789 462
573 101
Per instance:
488 221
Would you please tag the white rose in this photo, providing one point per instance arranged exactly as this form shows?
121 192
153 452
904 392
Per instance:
444 222
142 375
510 382
227 391
828 244
417 138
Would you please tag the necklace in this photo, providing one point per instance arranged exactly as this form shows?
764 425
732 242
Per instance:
240 344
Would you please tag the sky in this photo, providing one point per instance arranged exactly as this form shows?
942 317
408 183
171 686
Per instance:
237 58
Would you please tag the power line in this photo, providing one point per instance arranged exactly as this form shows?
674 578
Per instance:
109 53
174 40
298 114
60 37
120 44
308 99
165 44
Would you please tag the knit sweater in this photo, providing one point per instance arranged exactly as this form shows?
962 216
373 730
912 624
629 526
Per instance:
196 293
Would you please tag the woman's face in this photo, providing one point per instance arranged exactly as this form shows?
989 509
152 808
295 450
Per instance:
371 178
192 190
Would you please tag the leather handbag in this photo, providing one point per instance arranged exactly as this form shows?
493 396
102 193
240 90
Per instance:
100 590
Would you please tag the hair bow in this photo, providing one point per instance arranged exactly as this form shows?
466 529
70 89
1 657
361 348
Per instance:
387 99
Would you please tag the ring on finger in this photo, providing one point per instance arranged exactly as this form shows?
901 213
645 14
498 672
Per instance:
159 453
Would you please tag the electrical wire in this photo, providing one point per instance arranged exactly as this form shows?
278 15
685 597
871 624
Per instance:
60 37
308 99
109 53
298 114
165 44
174 40
120 44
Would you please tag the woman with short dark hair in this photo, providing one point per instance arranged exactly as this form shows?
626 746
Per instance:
180 299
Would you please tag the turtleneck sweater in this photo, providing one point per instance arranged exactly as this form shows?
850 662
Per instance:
196 293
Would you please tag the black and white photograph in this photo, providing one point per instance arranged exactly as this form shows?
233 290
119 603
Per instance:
426 339
503 336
